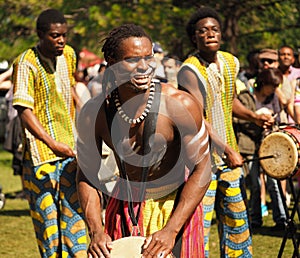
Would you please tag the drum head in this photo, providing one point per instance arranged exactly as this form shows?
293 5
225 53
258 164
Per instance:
127 247
285 152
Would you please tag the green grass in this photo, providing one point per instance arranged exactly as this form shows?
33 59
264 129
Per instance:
16 232
17 235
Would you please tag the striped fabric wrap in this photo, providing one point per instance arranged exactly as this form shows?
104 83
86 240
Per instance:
154 215
47 91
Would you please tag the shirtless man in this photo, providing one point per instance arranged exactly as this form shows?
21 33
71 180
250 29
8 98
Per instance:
179 144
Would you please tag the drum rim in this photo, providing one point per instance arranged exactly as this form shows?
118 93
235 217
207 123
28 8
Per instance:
124 239
118 241
265 163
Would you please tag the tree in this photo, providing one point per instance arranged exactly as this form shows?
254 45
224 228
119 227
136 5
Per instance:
247 24
17 25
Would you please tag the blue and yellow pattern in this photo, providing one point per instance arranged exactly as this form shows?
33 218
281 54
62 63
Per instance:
54 208
226 194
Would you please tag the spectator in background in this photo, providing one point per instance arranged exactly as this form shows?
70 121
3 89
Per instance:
249 137
286 62
290 74
5 85
159 56
13 131
297 101
82 76
5 74
95 85
297 58
269 58
249 74
171 65
43 79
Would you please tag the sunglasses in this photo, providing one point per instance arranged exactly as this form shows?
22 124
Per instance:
269 61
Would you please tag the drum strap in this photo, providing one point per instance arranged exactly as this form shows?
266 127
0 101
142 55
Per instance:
149 129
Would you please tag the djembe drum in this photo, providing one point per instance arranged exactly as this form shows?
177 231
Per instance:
283 145
130 247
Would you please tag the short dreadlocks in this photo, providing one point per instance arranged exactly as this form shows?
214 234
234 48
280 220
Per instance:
117 35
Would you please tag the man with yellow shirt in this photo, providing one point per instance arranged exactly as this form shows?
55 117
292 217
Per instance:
43 84
210 76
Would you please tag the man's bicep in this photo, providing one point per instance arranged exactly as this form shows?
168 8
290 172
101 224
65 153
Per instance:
26 115
89 158
189 82
197 144
198 154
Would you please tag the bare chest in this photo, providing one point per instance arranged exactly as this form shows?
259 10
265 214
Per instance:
135 150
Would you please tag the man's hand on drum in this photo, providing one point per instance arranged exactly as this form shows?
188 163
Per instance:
232 158
265 120
100 246
159 244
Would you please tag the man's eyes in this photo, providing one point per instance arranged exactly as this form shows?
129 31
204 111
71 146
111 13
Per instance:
133 60
56 35
206 30
138 59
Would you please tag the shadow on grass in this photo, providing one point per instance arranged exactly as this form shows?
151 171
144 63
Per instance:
267 231
15 195
285 235
5 162
14 213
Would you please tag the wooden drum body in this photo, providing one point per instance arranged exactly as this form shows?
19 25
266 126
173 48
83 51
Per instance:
284 146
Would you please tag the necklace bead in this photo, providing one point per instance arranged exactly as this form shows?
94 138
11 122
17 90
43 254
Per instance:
144 114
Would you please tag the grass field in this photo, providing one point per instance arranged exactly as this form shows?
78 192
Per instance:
17 237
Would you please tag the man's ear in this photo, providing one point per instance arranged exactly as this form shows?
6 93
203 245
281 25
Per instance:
194 39
293 59
40 34
110 61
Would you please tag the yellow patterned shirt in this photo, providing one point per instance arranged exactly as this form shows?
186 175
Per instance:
226 86
47 92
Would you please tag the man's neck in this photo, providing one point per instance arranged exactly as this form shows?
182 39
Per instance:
45 55
134 106
260 96
285 70
210 57
127 92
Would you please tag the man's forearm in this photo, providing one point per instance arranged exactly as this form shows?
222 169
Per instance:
89 199
221 146
240 111
33 125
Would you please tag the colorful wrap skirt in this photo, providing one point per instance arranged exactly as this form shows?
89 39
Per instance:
154 214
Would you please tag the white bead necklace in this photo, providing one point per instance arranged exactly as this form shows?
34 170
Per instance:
144 114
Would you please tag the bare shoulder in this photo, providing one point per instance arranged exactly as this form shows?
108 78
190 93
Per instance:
181 106
178 97
92 109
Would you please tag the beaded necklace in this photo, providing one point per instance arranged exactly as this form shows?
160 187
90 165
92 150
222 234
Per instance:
144 114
